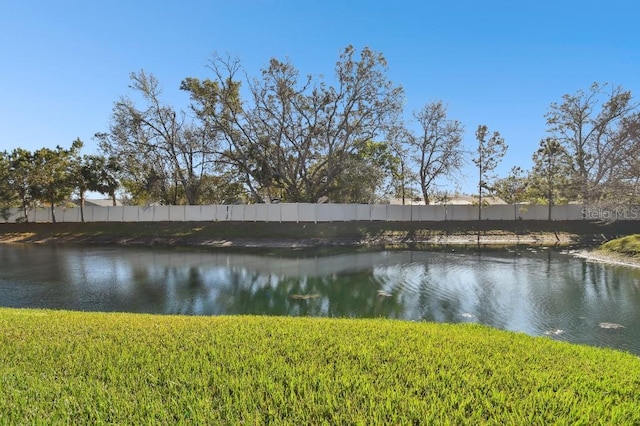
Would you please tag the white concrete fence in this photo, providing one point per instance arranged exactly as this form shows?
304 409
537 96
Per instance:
298 212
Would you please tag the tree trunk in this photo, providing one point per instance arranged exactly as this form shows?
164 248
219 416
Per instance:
25 211
82 206
550 201
479 188
53 212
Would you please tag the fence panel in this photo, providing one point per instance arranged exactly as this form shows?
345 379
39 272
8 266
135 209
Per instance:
176 213
304 212
500 212
132 214
99 214
236 213
250 212
71 215
44 215
423 213
323 212
161 213
339 212
274 212
533 212
193 213
363 212
262 212
379 212
307 212
559 213
12 215
223 213
442 212
463 212
289 212
567 212
208 213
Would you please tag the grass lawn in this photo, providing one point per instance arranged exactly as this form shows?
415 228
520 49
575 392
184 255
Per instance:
629 245
88 368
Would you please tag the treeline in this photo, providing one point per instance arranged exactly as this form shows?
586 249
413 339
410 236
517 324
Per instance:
52 176
294 138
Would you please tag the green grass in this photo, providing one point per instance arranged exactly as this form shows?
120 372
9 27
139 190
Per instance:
629 245
93 368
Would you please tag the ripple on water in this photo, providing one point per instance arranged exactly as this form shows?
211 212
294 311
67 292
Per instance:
610 325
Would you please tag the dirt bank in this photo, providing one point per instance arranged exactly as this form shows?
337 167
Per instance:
612 258
373 234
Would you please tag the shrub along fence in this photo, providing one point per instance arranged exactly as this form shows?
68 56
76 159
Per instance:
299 212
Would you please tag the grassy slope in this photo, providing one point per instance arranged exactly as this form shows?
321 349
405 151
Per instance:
629 246
93 368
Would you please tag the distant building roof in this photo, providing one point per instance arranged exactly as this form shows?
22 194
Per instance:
468 200
100 202
458 200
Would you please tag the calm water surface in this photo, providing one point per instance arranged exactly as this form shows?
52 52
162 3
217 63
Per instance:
535 292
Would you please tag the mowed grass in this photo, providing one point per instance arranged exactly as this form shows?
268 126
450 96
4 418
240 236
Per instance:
93 368
629 245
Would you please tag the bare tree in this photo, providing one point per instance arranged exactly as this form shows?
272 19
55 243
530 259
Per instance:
437 148
587 124
293 135
624 185
631 130
158 145
398 136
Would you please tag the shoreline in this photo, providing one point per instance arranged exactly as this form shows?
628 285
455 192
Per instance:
578 238
608 257
488 241
372 241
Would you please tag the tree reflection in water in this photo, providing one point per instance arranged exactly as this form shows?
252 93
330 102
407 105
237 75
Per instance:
532 291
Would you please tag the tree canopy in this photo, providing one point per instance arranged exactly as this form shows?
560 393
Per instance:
281 135
292 137
594 127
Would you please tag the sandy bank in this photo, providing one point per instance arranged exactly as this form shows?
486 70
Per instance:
533 239
612 258
333 234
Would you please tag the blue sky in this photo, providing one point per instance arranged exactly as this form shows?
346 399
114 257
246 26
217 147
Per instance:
501 63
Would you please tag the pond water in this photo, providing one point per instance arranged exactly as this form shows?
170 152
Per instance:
538 292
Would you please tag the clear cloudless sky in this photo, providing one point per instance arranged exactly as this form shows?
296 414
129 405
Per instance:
501 63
